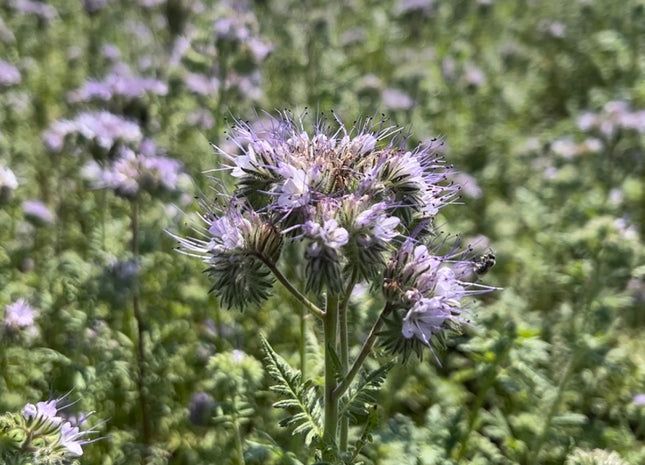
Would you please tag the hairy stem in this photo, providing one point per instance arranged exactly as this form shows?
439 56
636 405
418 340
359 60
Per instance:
303 352
365 351
140 353
344 354
239 451
330 324
534 451
309 305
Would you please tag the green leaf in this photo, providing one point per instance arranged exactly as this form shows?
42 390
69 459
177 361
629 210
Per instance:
357 401
302 397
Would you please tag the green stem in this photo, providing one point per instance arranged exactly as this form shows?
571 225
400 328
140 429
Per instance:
344 354
320 314
139 322
534 451
238 437
489 380
303 352
330 324
365 350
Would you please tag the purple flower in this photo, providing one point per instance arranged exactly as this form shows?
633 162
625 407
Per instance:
396 99
92 6
119 83
132 172
639 399
352 195
228 233
330 234
37 212
377 224
615 115
103 128
40 9
201 84
8 180
44 418
19 314
9 74
200 408
429 287
43 411
422 7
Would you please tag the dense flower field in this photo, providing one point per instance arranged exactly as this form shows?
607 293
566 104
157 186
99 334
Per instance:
416 226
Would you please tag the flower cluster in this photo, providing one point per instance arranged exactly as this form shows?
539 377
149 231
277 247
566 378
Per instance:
352 197
19 315
131 172
103 128
615 116
42 434
9 74
119 84
8 183
37 212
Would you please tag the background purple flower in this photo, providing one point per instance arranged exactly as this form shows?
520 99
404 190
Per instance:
19 314
9 74
37 211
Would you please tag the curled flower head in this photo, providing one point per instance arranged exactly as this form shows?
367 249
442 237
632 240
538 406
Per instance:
236 245
425 288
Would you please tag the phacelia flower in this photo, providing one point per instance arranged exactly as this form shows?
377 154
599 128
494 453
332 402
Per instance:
40 9
19 314
9 74
427 288
37 212
120 83
360 203
132 172
102 128
50 433
43 411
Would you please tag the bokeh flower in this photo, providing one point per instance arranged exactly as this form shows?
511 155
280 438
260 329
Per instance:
133 171
37 212
19 314
103 128
9 74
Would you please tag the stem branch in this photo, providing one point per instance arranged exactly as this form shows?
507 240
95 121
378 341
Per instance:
365 350
320 314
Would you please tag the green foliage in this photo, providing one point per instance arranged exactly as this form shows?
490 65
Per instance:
361 399
552 368
301 397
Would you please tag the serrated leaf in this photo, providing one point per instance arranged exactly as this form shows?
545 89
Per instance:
358 400
302 397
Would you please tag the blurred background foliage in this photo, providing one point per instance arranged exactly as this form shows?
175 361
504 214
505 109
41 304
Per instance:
541 105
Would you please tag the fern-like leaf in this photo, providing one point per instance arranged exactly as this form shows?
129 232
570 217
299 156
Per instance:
358 401
299 396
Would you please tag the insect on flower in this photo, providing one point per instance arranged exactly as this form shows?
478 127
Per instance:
483 264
